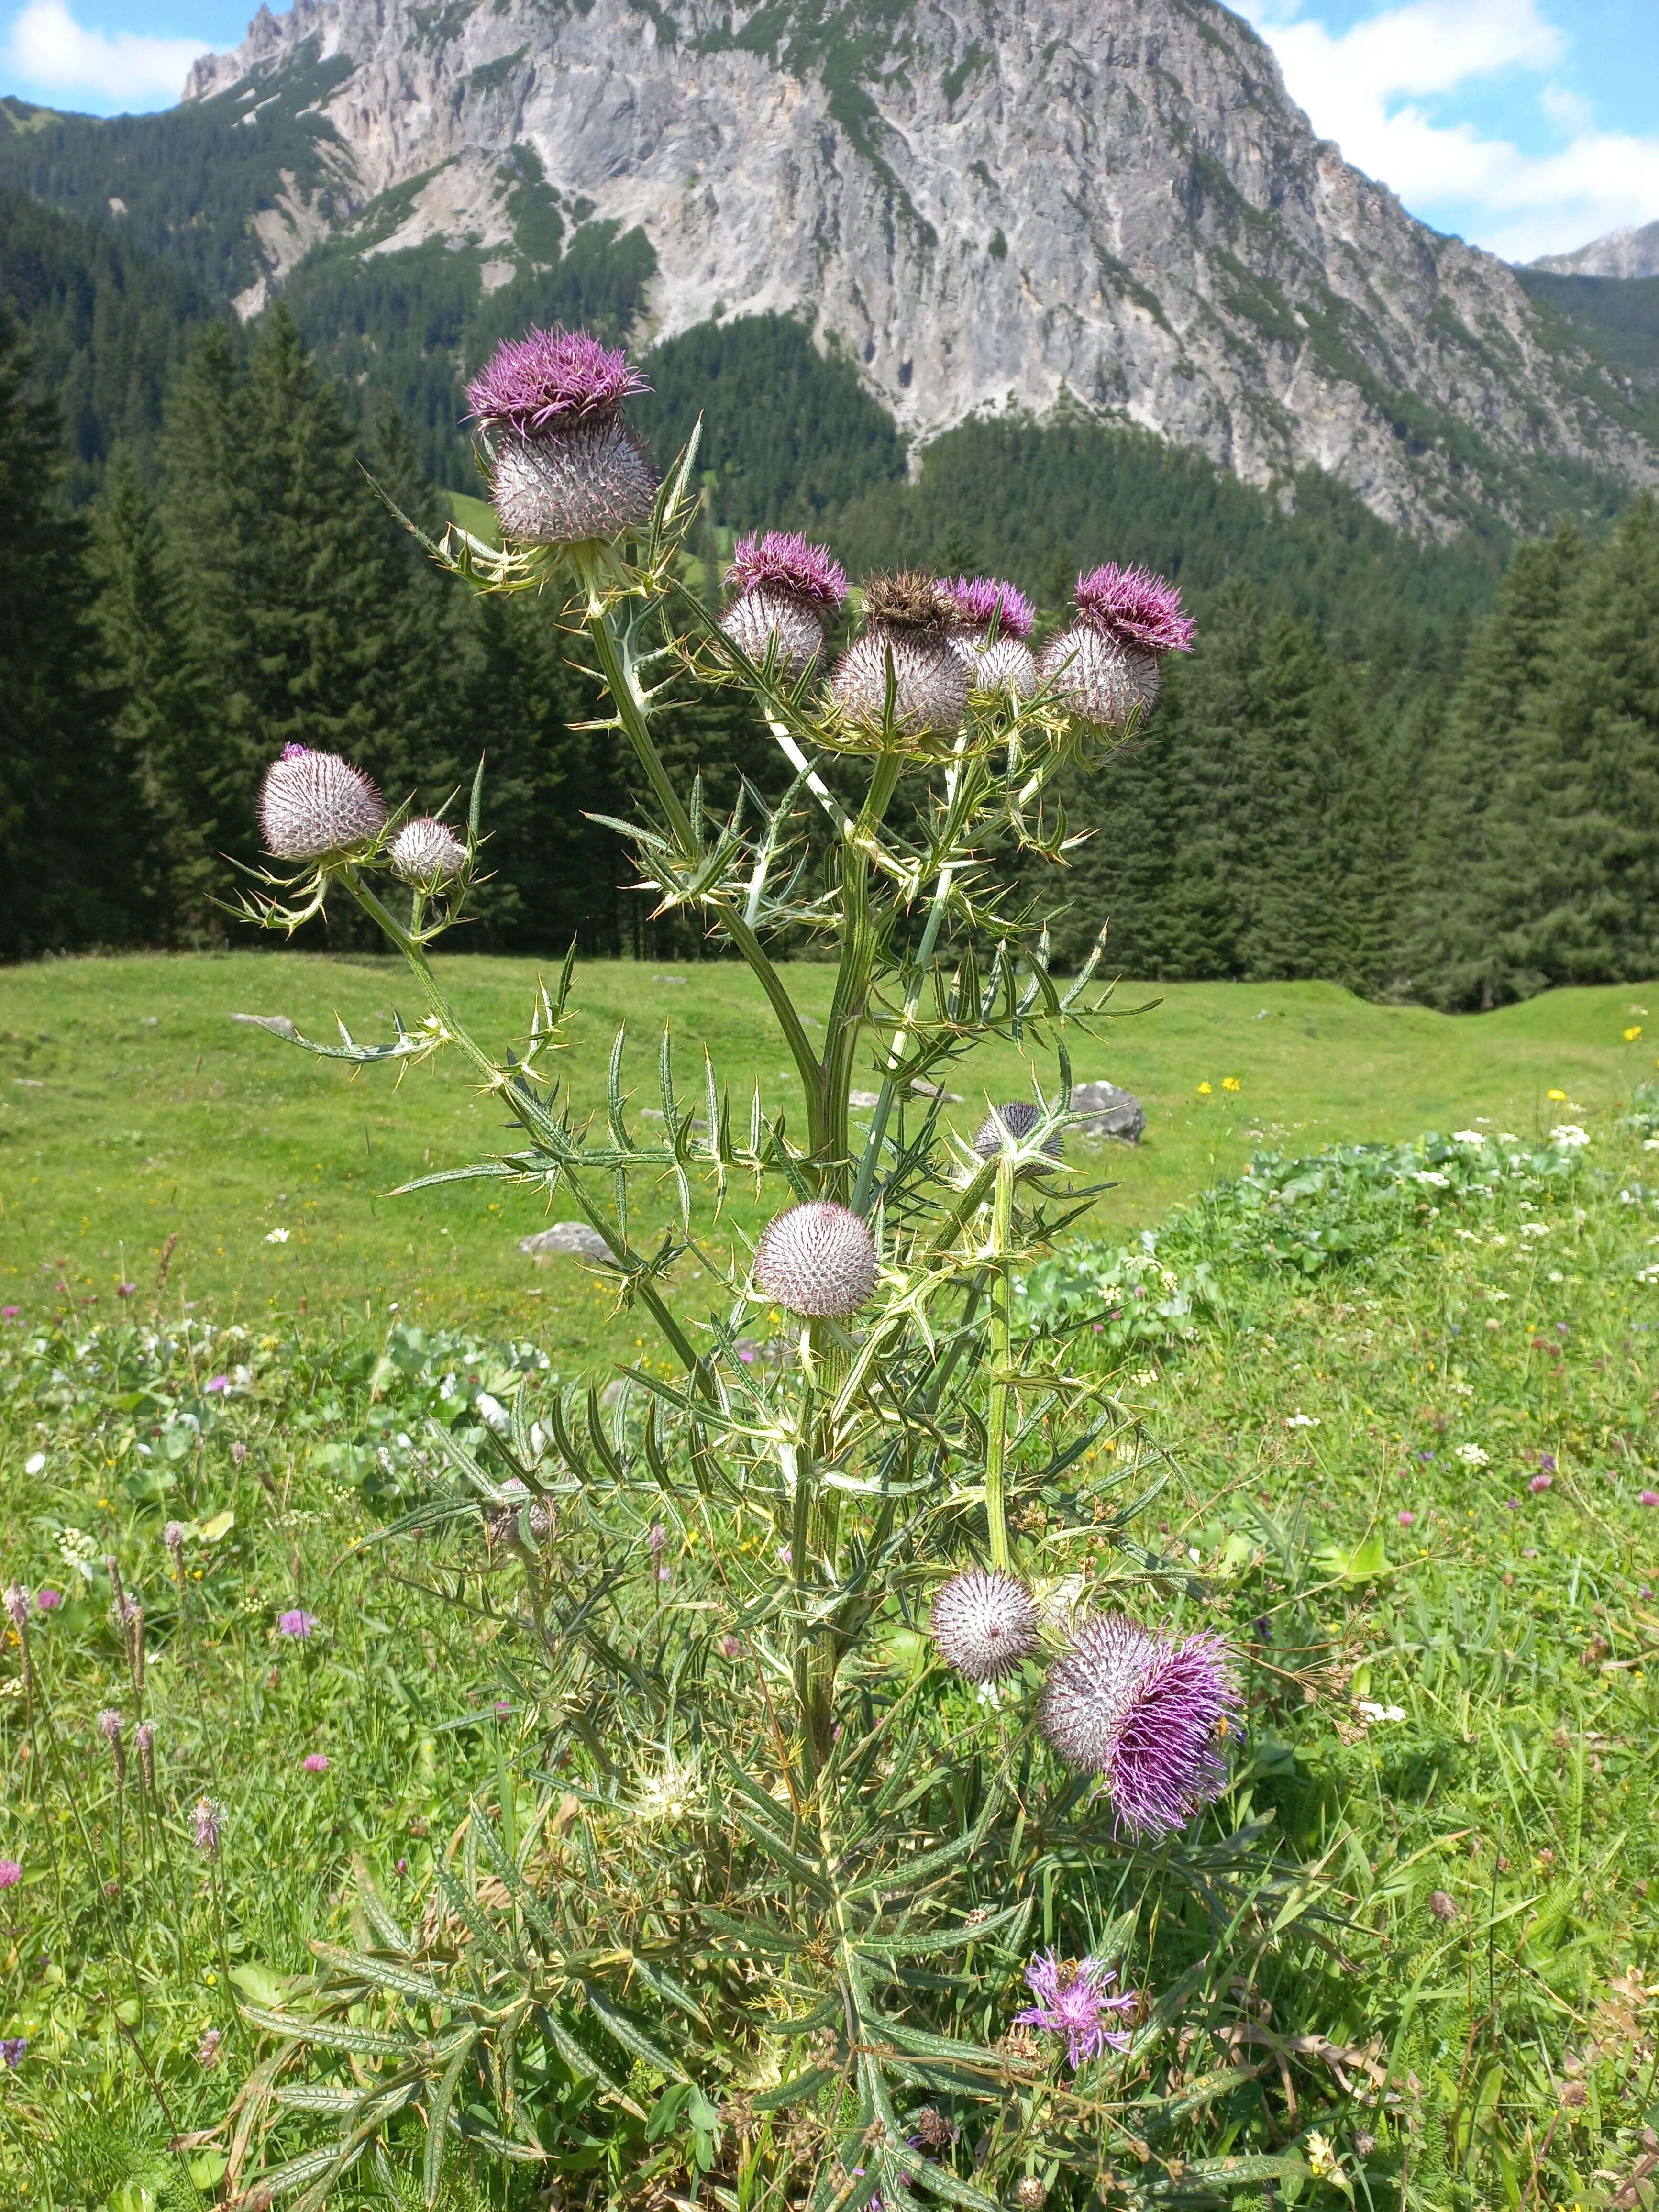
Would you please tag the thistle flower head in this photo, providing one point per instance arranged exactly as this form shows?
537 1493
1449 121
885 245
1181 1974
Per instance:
588 478
1074 1999
982 600
784 561
17 1606
1137 606
819 1260
1145 1712
910 600
1099 674
984 1623
312 805
208 1825
427 853
1015 1118
550 379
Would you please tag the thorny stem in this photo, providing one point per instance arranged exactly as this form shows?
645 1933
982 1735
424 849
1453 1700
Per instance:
850 1002
1002 1208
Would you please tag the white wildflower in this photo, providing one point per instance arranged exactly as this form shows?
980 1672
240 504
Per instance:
1301 1420
1379 1712
277 1235
1433 1175
1472 1455
1568 1135
491 1411
1534 1229
1468 1136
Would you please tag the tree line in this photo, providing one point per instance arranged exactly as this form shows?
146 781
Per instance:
1371 769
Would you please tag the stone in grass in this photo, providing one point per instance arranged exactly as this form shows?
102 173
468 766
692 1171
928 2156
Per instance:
278 1025
1111 1112
572 1239
864 1097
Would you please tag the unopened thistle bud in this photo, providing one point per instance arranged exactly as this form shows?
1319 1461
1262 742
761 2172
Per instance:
1147 1714
995 622
1015 1118
984 1623
818 1259
427 854
909 625
314 805
786 589
1109 661
564 468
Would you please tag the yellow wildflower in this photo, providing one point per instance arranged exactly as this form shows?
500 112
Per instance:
1204 1089
1556 1097
1631 1035
1231 1083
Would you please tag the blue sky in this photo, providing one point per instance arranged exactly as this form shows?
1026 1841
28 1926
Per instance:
1528 126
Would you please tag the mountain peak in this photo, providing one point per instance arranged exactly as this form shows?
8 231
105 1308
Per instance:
1620 253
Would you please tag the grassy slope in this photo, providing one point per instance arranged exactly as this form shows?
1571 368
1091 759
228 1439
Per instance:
131 1107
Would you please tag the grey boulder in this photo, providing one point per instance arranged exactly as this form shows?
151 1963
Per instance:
1111 1112
574 1239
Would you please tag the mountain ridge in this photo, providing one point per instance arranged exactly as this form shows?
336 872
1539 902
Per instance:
1632 253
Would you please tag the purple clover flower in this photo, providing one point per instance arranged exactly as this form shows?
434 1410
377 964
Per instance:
296 1621
1146 1714
48 1601
10 1874
1406 1517
1073 1999
1648 1497
1136 606
982 600
785 561
1546 1461
315 1762
10 1313
1541 1482
549 380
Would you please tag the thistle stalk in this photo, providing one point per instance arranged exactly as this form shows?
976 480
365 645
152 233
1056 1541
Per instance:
996 1446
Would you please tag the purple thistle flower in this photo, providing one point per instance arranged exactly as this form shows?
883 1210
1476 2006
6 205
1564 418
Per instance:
784 561
312 804
982 600
10 1874
126 1290
296 1621
12 2049
1146 1714
984 1623
818 1259
10 1313
207 1822
1137 607
47 1600
549 380
1074 2000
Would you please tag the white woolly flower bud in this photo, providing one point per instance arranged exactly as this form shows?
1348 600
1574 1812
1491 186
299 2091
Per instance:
1005 664
1101 677
984 1623
930 681
818 1259
587 479
754 620
426 853
315 804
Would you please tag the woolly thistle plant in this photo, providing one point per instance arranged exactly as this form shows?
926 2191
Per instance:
825 1666
1108 664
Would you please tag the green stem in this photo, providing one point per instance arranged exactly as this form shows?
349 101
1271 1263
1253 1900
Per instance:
850 1001
996 1447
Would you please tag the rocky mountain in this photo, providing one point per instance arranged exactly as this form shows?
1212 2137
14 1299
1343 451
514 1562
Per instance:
1620 253
977 203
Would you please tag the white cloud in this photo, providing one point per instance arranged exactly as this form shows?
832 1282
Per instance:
1363 86
50 51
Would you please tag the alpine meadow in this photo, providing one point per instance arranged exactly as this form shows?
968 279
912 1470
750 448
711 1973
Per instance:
829 1134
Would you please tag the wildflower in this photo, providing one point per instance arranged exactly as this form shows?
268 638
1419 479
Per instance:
427 854
1631 1034
1205 1089
934 2131
658 1536
144 1738
995 623
1073 1999
218 1384
730 1647
173 1537
1231 1083
1648 1497
1406 1517
908 620
1108 662
785 588
1469 1137
10 1874
564 469
1030 2194
296 1621
819 1260
984 1624
1570 1135
1015 1119
238 1452
1556 1097
10 1313
1541 1482
17 1606
315 1762
111 1725
277 1235
47 1600
1145 1713
670 1795
1323 2160
314 804
207 1822
207 2050
1442 1907
1511 1505
12 2051
1375 1712
1472 1455
1301 1420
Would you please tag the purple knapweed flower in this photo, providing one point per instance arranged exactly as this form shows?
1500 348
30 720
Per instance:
47 1600
1106 663
208 1822
13 2049
314 805
563 467
315 1762
1146 1714
784 588
1541 1482
1074 1999
218 1384
296 1621
550 379
10 1874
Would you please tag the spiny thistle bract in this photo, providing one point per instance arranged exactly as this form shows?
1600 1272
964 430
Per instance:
818 1259
785 588
984 1622
314 804
1015 1118
564 468
909 624
1109 661
995 623
426 853
1145 1712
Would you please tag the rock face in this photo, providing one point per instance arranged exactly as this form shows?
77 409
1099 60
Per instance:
1620 253
1114 202
1112 1112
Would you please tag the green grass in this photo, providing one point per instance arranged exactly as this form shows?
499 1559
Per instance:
134 1109
1453 1678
